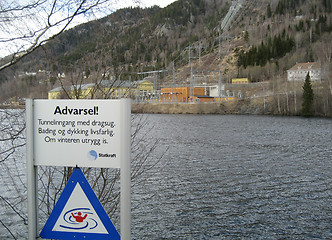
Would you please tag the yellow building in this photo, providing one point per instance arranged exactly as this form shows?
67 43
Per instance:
104 89
222 99
201 99
240 81
73 92
144 85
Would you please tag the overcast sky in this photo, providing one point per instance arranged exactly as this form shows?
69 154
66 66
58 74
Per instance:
146 3
161 3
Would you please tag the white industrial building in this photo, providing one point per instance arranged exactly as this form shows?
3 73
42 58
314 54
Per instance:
300 71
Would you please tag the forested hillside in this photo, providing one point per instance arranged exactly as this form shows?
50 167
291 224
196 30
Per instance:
264 40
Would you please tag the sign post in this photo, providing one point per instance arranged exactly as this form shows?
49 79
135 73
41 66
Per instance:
31 174
83 133
125 174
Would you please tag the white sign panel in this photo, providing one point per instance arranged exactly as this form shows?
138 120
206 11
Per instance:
83 133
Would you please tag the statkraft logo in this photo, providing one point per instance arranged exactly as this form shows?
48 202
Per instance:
93 155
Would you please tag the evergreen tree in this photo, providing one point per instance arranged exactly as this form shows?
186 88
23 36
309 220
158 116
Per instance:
308 97
274 48
268 11
246 36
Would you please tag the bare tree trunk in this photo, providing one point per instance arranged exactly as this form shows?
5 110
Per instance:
295 102
279 110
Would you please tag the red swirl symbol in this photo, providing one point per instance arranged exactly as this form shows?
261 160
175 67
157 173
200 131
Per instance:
79 218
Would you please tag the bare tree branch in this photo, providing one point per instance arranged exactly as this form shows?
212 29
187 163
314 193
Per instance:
7 229
53 18
24 218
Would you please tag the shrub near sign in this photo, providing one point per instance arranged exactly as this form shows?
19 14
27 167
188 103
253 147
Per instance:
84 133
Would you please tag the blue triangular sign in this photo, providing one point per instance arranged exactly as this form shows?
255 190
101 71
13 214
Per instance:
78 214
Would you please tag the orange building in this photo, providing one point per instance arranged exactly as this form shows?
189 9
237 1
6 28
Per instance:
179 94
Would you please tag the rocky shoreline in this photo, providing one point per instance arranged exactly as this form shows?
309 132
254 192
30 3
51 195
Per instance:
250 106
227 107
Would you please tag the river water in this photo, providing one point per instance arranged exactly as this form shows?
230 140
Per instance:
230 177
238 177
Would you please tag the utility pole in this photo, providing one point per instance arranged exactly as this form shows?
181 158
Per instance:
191 78
173 85
199 52
155 77
191 73
219 58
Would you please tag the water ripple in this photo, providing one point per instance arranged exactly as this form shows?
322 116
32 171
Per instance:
239 177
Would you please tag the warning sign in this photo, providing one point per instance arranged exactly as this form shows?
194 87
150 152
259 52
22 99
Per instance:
77 132
78 214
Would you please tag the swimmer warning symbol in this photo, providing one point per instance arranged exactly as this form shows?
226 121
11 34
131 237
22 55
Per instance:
78 214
